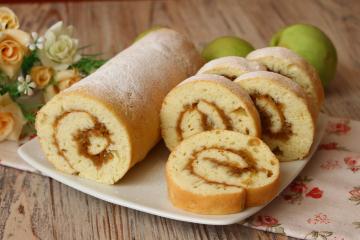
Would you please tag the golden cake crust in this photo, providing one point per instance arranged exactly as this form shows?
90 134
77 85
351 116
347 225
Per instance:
249 190
205 204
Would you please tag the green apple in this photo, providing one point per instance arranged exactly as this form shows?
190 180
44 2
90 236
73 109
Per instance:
146 32
226 46
312 44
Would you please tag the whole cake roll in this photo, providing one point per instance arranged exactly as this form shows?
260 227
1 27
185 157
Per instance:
286 113
100 127
221 172
231 67
205 102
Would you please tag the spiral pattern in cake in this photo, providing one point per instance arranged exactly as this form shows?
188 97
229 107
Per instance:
206 102
286 113
221 172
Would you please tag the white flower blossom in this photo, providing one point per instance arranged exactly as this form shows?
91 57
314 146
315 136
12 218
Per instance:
36 42
26 85
60 49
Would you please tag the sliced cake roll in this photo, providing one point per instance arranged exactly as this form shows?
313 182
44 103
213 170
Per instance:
286 62
287 117
231 67
103 125
221 172
205 102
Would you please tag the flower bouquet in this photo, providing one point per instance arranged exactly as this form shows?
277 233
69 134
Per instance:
33 69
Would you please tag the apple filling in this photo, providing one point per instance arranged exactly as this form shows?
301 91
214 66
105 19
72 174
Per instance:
87 137
201 116
226 167
272 117
93 143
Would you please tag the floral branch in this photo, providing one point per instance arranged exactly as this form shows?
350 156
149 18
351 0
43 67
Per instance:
34 68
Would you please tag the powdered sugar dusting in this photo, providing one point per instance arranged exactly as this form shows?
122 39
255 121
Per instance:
232 62
135 81
279 52
276 78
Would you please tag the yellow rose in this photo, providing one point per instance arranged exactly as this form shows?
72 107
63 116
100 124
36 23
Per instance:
63 80
8 19
13 48
67 78
41 76
11 119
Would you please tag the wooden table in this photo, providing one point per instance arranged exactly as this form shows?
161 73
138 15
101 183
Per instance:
32 206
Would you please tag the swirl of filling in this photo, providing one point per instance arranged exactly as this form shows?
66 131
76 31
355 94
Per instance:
226 167
273 121
86 137
201 116
221 165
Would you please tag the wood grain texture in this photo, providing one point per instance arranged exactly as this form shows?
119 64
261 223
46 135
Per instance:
36 207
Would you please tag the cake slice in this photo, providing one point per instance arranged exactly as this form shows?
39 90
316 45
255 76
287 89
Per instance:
287 116
205 102
221 172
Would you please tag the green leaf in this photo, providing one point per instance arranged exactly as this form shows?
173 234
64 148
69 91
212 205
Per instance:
3 77
8 86
30 117
29 111
29 62
88 65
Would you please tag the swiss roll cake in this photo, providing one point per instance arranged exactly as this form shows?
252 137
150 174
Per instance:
221 172
206 102
286 113
103 125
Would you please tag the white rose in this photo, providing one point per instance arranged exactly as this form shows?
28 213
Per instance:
11 119
60 48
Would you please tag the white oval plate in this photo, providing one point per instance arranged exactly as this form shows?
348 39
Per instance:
144 186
